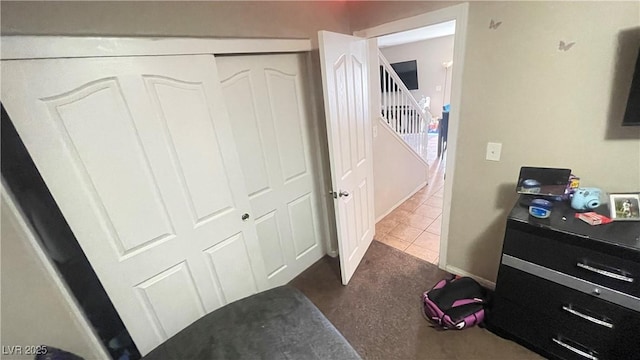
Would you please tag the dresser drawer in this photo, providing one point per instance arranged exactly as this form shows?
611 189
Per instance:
602 269
546 336
538 332
618 327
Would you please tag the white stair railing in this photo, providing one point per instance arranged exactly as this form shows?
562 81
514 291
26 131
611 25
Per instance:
401 111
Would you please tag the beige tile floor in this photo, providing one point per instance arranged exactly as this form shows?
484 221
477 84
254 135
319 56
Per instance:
414 226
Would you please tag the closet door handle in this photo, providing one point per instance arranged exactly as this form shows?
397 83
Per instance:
574 349
579 314
605 272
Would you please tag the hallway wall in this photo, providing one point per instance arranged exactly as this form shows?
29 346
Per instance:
397 170
429 56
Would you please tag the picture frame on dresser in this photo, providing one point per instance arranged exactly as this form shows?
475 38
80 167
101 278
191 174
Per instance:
625 206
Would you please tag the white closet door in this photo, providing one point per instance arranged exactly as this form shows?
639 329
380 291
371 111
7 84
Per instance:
138 153
270 118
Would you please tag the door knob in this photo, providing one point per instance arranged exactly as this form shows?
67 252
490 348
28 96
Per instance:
245 217
343 193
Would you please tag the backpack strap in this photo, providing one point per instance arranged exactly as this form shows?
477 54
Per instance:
455 314
462 302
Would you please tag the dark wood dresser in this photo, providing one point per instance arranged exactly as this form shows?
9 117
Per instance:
569 290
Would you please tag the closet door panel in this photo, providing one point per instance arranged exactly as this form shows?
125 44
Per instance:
271 244
303 225
267 103
230 265
246 129
123 171
287 114
193 144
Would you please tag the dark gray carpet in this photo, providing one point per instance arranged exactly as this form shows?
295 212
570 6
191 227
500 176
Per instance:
379 311
277 324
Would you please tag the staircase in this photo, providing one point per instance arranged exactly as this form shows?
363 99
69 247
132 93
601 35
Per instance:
400 110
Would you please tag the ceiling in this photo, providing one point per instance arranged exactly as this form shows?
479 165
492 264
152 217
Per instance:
425 33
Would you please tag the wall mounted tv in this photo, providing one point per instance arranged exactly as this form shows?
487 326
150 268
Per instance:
408 73
632 114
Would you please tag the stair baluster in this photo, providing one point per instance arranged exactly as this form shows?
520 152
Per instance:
401 111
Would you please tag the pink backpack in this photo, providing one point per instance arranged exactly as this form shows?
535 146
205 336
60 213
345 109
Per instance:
455 304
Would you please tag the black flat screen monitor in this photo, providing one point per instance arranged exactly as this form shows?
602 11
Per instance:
542 181
408 73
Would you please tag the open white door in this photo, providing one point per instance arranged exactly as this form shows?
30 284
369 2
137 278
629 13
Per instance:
343 62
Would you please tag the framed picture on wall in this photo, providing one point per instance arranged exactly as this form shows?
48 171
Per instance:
625 207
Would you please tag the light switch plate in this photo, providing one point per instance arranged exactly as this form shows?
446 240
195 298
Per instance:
375 130
493 151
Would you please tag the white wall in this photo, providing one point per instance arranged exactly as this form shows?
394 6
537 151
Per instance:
260 19
429 55
397 171
34 311
547 107
516 79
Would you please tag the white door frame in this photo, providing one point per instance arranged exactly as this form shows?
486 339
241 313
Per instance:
460 14
48 47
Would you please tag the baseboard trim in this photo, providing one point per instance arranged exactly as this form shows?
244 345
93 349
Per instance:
423 184
484 282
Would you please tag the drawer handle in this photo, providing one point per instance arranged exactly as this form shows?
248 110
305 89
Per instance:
587 317
573 349
605 272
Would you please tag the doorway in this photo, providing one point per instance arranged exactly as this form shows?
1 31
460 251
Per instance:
414 227
439 184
